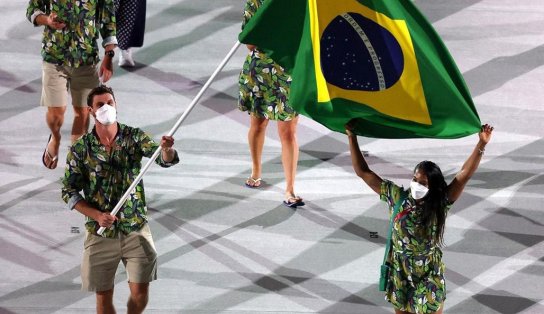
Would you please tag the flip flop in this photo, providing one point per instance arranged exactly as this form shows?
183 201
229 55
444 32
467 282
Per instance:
293 202
253 183
53 159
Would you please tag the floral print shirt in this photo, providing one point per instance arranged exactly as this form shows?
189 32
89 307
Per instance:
76 44
105 176
408 236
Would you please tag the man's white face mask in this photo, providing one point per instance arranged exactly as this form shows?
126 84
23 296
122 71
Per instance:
106 114
417 190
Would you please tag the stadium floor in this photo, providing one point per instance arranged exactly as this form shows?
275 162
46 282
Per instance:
224 248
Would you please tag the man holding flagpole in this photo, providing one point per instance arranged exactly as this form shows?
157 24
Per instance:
103 164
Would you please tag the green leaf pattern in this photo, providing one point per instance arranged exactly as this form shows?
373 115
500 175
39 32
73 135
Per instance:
76 44
416 283
264 85
104 177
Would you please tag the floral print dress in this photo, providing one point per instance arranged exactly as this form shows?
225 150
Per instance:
264 85
416 283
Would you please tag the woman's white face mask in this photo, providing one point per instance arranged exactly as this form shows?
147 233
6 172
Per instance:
106 114
417 190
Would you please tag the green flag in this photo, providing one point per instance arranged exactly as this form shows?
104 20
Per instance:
379 62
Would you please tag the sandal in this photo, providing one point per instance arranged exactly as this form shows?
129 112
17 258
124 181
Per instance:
53 159
293 201
253 183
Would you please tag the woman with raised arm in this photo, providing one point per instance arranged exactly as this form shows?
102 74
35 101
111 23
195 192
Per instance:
416 280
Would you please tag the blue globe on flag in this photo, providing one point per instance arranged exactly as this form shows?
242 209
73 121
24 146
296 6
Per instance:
359 54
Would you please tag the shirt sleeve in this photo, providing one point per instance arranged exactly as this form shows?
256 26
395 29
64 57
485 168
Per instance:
148 147
249 10
390 193
165 164
35 8
108 26
73 180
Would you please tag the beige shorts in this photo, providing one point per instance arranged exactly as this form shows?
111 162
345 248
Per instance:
101 257
58 79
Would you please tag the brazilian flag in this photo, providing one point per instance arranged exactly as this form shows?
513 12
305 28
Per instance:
379 62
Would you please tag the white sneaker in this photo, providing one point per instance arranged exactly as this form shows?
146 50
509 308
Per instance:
125 59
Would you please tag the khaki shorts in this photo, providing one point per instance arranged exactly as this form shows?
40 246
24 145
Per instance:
58 79
101 257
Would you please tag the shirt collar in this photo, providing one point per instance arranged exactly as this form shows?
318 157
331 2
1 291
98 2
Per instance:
95 139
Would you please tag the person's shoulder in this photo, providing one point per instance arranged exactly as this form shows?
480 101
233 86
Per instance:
132 131
85 138
81 144
390 187
124 128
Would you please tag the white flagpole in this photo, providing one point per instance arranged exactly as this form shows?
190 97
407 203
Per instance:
172 131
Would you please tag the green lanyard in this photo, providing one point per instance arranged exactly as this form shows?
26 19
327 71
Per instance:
391 222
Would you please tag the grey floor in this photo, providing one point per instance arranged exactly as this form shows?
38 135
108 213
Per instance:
227 249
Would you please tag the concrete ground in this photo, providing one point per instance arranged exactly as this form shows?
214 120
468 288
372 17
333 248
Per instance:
224 248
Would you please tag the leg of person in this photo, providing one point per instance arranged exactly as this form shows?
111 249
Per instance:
125 15
140 259
54 119
101 256
131 28
54 95
137 38
81 123
82 80
255 137
104 302
125 59
139 296
289 157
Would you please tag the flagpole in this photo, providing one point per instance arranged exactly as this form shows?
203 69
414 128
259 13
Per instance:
172 131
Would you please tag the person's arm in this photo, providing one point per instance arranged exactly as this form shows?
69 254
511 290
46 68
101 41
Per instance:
73 182
168 152
108 31
104 219
168 157
360 165
50 20
35 13
106 67
455 188
249 11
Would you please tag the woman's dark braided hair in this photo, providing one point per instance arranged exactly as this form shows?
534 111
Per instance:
435 202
